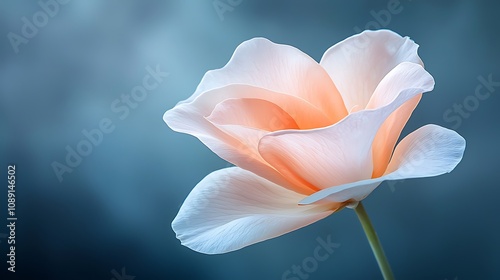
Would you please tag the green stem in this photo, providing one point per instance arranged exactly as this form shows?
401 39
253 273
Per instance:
377 249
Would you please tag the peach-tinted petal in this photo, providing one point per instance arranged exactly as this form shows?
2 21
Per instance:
323 157
254 113
191 118
248 120
388 135
261 63
304 114
428 151
357 64
248 137
233 208
342 153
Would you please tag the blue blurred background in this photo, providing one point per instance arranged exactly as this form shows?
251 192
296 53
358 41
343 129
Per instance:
110 216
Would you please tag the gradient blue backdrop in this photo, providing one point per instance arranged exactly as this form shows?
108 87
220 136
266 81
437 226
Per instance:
114 209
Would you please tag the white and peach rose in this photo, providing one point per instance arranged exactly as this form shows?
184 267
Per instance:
307 138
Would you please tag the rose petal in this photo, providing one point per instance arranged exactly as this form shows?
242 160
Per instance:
261 63
254 113
248 120
191 118
428 151
342 153
357 64
323 157
233 208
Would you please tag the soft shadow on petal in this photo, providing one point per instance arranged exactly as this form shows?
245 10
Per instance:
358 63
428 151
342 153
233 208
281 68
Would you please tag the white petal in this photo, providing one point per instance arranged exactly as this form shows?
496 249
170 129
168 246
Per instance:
261 63
428 151
233 208
342 153
388 134
357 64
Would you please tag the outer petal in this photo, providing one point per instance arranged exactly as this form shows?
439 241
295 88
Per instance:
280 68
342 153
233 208
428 151
357 64
191 118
